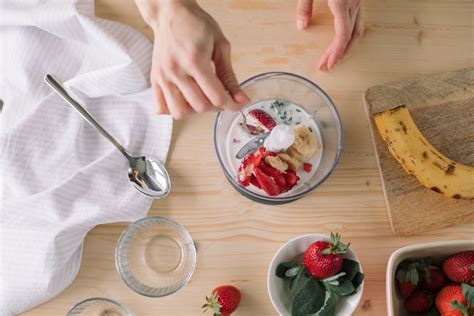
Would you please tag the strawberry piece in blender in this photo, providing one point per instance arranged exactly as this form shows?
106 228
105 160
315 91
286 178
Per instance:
266 182
291 179
274 173
263 118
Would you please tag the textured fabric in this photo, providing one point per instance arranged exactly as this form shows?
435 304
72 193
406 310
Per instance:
59 177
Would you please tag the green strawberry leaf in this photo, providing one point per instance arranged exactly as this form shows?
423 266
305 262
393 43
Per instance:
358 279
297 283
293 272
329 307
350 267
456 305
342 287
283 267
309 299
468 293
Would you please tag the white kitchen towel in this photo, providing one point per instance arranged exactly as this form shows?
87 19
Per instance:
59 177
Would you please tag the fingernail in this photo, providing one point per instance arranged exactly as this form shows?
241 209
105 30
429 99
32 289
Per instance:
241 98
301 24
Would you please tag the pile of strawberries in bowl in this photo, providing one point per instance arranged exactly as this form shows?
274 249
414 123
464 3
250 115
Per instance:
437 289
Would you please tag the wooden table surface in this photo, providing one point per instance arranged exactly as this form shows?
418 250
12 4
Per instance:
237 238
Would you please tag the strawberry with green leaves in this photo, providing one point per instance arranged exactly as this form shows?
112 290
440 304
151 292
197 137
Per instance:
224 300
408 275
455 300
324 259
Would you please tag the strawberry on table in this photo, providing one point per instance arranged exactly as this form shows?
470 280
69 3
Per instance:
454 300
263 118
460 267
420 301
324 259
266 182
434 279
224 300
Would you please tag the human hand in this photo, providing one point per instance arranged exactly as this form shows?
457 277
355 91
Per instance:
348 26
191 66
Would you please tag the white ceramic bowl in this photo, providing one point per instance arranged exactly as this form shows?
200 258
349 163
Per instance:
278 289
438 250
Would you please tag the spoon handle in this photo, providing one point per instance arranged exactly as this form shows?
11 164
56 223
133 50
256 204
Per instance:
59 89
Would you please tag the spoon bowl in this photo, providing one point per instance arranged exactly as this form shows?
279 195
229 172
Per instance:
147 175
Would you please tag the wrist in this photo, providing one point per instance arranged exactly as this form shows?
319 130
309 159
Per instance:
153 11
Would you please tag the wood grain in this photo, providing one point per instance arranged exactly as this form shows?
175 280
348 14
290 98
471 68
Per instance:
442 106
237 238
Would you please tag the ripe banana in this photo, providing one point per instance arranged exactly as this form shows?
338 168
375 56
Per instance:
305 145
419 158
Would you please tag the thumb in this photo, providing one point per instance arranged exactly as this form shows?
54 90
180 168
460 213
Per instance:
304 12
226 74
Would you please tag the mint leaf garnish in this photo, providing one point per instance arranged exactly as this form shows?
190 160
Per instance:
297 283
344 286
283 267
309 299
350 267
329 307
293 272
357 280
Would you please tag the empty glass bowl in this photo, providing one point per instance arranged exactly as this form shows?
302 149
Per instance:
303 93
98 306
155 256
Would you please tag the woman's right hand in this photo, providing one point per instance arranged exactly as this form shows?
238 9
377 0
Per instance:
191 67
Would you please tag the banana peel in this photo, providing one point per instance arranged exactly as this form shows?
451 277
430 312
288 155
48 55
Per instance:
420 159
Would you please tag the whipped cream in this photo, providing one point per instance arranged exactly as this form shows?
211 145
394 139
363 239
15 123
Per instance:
281 137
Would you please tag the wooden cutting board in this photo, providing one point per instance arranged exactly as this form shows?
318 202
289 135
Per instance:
442 106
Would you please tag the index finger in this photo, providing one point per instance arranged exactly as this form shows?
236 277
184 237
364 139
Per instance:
213 88
343 31
304 12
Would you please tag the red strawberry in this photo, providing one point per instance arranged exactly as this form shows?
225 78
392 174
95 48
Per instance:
408 275
451 301
248 164
274 173
420 301
254 181
266 182
324 259
263 118
291 179
224 300
460 267
307 167
434 279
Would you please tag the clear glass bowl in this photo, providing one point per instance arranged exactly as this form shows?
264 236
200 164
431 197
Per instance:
155 256
99 306
304 93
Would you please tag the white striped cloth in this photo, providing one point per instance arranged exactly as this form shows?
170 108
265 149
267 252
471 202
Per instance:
59 177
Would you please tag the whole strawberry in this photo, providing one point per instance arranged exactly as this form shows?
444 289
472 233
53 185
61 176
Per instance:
460 267
451 300
434 279
408 275
420 301
224 300
324 259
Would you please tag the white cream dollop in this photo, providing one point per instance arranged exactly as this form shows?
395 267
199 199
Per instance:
281 137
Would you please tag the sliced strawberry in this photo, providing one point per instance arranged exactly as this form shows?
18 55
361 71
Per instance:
307 167
254 181
263 118
274 173
248 164
266 182
291 179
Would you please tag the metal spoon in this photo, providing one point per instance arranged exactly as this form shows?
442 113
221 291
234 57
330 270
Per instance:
147 175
